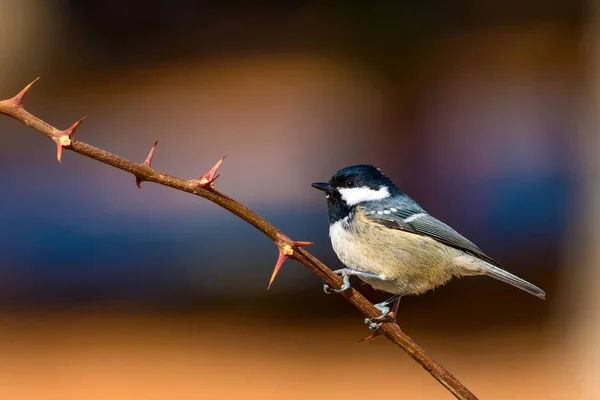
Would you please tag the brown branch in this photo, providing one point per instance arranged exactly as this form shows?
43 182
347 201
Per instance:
203 187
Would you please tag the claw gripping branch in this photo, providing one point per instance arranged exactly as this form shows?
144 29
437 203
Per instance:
392 315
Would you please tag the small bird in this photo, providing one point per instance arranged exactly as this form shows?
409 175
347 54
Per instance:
390 242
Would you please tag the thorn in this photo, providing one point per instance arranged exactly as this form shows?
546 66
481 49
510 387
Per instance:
370 337
208 178
59 149
284 253
18 99
73 127
302 244
63 138
61 141
147 163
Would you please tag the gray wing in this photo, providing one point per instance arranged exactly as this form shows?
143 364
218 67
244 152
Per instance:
421 223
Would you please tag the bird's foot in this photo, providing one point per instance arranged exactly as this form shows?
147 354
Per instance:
390 316
345 286
345 273
374 323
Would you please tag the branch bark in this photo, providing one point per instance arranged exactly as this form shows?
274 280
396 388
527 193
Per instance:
204 187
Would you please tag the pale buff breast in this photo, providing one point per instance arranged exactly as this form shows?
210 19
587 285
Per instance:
411 263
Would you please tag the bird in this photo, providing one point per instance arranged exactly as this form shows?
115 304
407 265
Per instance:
390 242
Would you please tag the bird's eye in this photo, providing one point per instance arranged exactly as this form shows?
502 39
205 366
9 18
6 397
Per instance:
350 183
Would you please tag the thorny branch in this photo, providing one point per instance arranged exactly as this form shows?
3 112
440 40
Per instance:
204 187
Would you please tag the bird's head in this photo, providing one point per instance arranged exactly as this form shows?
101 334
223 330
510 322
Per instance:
354 185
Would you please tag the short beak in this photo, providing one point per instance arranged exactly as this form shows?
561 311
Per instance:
324 186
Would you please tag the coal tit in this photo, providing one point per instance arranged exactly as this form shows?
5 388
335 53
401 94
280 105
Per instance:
390 242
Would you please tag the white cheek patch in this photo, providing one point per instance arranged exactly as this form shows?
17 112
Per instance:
356 195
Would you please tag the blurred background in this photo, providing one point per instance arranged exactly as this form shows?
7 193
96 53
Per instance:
481 111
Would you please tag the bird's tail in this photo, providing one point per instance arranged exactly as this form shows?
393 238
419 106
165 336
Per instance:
507 277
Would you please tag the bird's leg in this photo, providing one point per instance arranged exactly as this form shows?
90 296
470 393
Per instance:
345 273
375 323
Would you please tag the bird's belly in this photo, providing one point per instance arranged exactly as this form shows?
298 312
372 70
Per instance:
409 263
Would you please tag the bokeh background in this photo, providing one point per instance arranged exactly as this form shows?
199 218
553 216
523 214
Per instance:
484 112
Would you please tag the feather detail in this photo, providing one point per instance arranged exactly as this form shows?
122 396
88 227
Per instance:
418 222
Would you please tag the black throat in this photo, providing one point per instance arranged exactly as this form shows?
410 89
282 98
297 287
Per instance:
337 209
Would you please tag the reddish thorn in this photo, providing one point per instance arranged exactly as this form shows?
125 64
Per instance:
208 178
301 244
370 337
63 138
59 149
394 312
148 161
18 99
61 141
71 130
284 252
